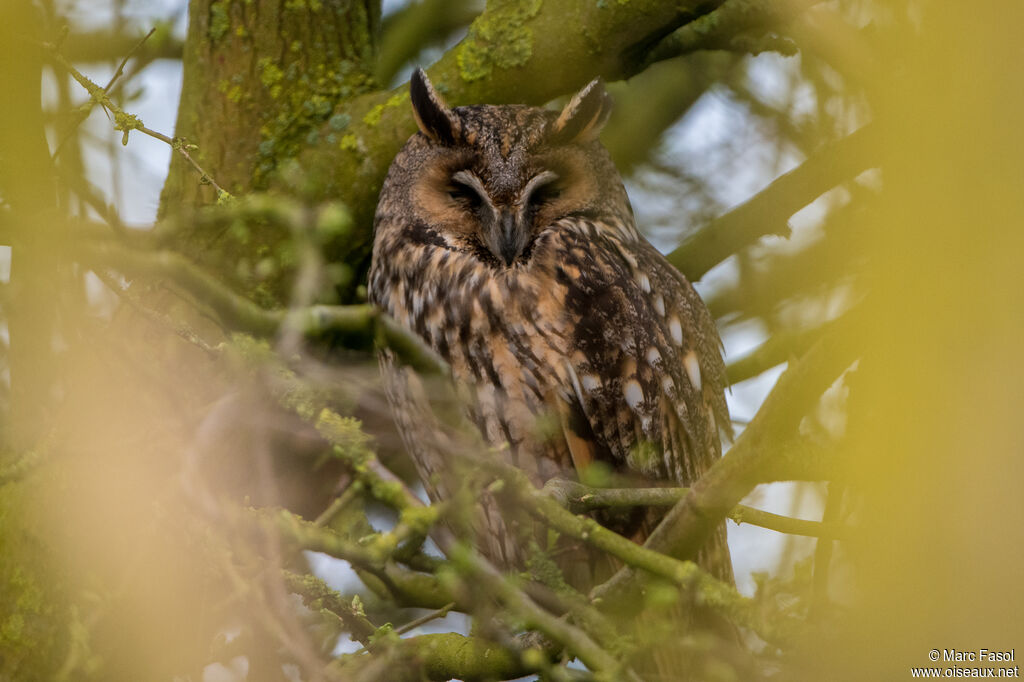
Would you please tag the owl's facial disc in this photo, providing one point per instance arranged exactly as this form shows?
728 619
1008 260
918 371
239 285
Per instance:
506 227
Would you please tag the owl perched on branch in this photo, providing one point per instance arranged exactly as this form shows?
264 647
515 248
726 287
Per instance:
505 240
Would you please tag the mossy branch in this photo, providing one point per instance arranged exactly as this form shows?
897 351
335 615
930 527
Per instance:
238 313
686 575
447 655
82 113
739 25
372 556
316 595
581 499
473 567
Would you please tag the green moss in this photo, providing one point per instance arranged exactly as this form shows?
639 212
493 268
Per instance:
498 38
219 21
372 117
345 433
542 568
308 98
420 519
126 122
348 143
251 350
271 76
398 99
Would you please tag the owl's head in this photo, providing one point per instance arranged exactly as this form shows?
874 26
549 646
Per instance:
489 179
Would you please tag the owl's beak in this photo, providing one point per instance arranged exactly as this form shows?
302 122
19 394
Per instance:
504 235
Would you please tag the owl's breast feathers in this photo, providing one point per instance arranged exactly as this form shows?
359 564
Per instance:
596 348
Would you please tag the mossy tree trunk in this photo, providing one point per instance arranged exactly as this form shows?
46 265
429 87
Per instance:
260 79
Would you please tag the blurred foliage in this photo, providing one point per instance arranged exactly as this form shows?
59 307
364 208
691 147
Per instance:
187 408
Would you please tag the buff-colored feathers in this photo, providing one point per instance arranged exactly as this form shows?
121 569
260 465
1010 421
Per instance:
505 240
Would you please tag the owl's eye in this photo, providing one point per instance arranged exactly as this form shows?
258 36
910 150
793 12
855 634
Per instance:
466 189
543 188
546 194
463 194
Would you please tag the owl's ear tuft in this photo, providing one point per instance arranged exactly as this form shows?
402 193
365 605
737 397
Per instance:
583 117
434 118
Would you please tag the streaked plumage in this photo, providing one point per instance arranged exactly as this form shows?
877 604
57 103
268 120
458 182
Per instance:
504 238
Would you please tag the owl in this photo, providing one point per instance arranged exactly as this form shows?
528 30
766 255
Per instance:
504 239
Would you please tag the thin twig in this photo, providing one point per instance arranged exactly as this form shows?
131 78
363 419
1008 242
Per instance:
181 330
120 67
83 112
426 618
337 504
127 122
823 551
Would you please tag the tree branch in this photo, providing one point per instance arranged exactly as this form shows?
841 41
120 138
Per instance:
105 45
372 555
82 113
685 574
417 25
317 596
239 313
779 348
581 499
522 607
726 27
447 655
686 527
768 211
127 122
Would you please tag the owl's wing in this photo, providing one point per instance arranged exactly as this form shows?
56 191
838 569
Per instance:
644 377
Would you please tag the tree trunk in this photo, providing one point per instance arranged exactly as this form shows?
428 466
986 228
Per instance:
260 78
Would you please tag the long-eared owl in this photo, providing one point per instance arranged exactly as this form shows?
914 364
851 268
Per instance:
505 240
